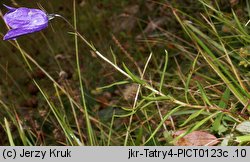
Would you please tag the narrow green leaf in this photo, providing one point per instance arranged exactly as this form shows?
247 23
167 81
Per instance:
238 23
160 98
195 127
164 70
203 94
7 126
134 77
217 126
194 115
161 123
189 78
139 136
113 84
217 122
241 139
231 86
224 98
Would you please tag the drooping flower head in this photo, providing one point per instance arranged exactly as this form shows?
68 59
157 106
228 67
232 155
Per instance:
24 21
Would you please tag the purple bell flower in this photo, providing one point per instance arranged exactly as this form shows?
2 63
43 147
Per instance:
24 21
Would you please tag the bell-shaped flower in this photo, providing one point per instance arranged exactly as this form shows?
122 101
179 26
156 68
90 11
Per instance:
24 21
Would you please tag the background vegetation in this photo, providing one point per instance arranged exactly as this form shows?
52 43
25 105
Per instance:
172 72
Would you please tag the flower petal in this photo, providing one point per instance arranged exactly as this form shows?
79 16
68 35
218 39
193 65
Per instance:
9 8
25 17
24 21
17 18
14 33
37 17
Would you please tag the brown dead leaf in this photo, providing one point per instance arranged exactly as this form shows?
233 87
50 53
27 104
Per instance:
30 102
126 21
196 138
130 91
152 26
32 89
132 10
234 2
104 99
38 74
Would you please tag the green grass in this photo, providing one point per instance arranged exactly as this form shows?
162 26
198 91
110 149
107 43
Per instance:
95 86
